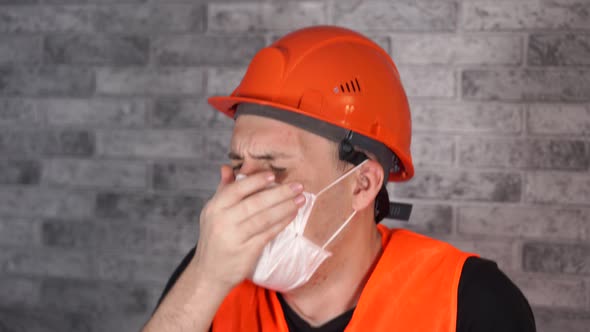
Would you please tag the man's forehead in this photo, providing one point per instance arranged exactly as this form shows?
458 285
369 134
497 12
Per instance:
264 135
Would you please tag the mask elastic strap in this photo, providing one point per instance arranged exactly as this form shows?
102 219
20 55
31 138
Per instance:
340 178
339 230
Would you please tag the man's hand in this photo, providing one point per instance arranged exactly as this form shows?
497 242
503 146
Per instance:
240 219
236 224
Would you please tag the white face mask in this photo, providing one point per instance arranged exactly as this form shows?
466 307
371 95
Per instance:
290 259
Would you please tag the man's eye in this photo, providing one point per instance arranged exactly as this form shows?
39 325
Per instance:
236 167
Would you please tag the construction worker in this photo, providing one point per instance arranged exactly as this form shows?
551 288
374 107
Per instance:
291 242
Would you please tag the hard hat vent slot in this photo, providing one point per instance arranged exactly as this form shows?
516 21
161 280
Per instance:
352 86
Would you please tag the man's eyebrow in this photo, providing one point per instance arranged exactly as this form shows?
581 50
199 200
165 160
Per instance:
266 156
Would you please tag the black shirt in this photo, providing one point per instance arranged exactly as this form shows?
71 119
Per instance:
487 302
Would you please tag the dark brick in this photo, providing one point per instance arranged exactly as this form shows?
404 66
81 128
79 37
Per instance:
172 176
96 49
18 292
19 112
559 49
206 50
45 19
557 258
20 49
457 185
47 202
181 113
90 296
43 262
142 206
119 236
555 319
555 84
65 143
46 81
42 320
529 153
19 172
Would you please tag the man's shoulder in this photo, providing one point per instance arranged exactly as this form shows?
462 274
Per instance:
487 297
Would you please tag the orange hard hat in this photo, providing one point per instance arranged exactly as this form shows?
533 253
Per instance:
334 75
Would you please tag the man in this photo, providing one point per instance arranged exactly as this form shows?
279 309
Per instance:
289 241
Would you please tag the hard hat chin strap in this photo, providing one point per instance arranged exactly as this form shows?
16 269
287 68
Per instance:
383 207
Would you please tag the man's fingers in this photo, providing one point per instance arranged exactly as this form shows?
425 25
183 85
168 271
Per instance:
227 176
230 194
263 200
267 219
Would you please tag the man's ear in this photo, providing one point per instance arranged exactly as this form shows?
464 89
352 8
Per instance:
368 183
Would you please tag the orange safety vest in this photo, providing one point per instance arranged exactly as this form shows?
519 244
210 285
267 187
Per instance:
412 288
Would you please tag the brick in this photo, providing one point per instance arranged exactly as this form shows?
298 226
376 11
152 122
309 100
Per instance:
19 230
549 319
522 15
556 292
527 85
43 320
403 15
567 119
45 202
95 173
95 112
223 81
20 49
467 117
150 144
433 150
461 185
148 206
44 262
114 237
15 112
45 19
217 144
556 258
19 172
144 81
501 252
182 113
426 219
136 268
46 81
562 49
524 222
149 18
524 153
19 292
18 2
185 176
206 50
554 187
428 81
56 142
453 49
233 17
96 49
89 296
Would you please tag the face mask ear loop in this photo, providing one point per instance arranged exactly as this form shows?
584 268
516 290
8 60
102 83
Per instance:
340 178
339 230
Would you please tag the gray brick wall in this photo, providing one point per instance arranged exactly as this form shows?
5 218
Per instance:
108 148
